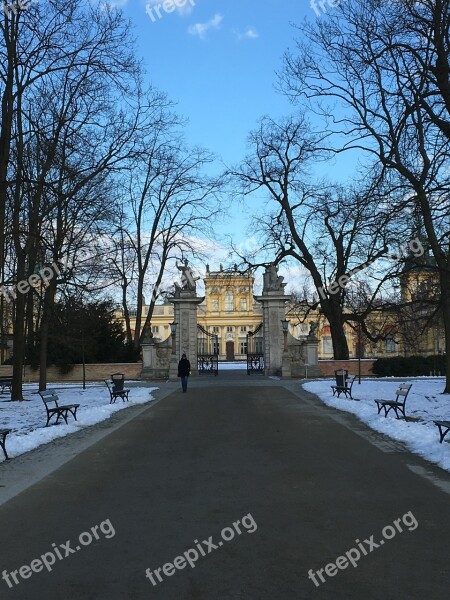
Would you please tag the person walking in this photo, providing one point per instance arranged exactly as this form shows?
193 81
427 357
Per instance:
184 370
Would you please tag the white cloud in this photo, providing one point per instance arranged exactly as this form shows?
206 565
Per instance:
201 29
249 34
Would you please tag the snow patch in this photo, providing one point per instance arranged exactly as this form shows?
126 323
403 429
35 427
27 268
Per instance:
425 403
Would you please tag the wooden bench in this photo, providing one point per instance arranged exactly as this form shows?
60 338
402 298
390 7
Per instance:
6 382
114 394
395 405
342 386
50 399
3 434
442 425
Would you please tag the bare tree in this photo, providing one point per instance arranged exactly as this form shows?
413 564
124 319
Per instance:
173 205
378 74
67 62
333 233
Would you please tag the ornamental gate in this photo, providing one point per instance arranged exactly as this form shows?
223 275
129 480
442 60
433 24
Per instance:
255 354
207 351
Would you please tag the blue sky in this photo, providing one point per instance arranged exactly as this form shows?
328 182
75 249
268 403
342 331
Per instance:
217 59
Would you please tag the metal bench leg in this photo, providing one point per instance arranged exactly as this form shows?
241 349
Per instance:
51 415
3 445
63 414
442 433
73 412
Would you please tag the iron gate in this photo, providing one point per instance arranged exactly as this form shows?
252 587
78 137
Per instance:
255 355
207 356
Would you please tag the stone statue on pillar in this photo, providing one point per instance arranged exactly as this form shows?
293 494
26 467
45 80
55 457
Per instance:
312 330
272 281
188 281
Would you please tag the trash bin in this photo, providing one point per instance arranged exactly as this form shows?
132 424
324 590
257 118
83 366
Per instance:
118 380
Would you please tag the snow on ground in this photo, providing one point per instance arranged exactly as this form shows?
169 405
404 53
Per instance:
228 366
27 419
425 403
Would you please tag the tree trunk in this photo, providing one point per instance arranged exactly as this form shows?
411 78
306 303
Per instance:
126 314
332 310
49 300
445 293
19 336
340 345
138 327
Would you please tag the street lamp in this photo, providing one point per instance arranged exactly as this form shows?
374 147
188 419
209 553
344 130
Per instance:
285 325
173 331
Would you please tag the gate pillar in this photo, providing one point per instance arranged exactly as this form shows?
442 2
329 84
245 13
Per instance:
273 300
185 301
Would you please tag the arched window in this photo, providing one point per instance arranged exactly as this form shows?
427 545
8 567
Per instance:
229 301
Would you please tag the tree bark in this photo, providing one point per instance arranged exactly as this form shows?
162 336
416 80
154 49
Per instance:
47 311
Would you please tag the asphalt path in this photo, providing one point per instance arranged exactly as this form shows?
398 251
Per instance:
248 486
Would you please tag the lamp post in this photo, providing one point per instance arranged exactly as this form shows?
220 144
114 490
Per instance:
286 367
173 331
285 325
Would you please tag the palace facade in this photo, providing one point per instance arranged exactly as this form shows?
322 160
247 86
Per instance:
229 312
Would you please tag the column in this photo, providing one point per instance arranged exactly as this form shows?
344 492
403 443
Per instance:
273 300
185 314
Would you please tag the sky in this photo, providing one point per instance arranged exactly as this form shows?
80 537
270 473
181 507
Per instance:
217 60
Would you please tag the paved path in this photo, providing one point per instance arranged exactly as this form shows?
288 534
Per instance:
310 480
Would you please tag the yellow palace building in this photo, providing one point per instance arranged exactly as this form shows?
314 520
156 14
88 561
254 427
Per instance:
229 312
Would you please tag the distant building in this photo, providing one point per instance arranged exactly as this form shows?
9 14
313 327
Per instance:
229 312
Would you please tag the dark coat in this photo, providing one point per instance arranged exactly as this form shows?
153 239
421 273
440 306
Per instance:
184 368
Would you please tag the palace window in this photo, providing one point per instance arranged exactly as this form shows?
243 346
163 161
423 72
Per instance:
259 346
230 328
216 329
155 329
243 303
215 305
243 328
243 347
391 346
229 301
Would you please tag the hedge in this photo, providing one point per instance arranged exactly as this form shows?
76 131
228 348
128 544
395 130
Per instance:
399 366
